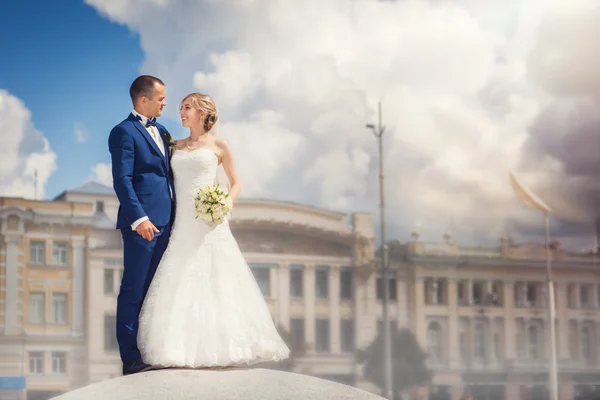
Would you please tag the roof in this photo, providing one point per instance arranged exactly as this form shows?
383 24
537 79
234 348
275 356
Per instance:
90 187
103 222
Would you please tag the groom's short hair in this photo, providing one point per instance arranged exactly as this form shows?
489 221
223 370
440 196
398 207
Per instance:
143 86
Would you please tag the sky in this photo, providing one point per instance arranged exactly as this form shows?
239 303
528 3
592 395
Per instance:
470 90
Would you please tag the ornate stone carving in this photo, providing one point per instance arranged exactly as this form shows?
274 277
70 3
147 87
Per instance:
364 251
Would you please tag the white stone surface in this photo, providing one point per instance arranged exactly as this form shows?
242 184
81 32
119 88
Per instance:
242 384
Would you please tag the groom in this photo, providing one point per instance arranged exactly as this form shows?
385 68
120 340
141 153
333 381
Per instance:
143 182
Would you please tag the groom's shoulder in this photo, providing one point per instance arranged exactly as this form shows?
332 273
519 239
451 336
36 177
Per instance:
124 125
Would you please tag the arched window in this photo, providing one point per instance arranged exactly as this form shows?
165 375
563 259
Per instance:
434 341
480 341
587 347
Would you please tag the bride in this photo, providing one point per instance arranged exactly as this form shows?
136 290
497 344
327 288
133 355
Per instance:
203 307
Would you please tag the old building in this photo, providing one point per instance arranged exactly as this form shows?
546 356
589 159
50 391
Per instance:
482 315
42 313
480 312
314 267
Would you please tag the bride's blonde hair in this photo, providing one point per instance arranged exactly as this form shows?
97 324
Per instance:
204 103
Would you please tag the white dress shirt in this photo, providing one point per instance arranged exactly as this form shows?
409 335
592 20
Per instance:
153 131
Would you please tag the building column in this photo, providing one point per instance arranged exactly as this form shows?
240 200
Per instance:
453 344
420 328
334 308
402 302
77 297
510 346
469 292
283 302
11 288
365 305
562 314
309 306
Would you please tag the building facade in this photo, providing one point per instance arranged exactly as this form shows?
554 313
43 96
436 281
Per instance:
480 313
314 267
482 316
42 303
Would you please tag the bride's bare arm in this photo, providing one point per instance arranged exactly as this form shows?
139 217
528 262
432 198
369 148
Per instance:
229 167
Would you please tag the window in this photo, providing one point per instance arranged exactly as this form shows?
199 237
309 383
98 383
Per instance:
346 284
392 290
109 280
573 340
464 348
464 339
113 262
586 296
37 252
434 341
263 279
347 339
463 297
430 289
497 339
520 337
479 293
587 343
100 206
110 333
534 294
36 362
519 294
37 307
59 308
297 334
572 293
534 342
59 362
497 298
322 336
480 350
322 282
296 281
59 254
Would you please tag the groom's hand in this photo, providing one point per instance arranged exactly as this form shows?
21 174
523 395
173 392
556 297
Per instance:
146 230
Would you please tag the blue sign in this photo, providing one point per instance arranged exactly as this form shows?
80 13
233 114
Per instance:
12 382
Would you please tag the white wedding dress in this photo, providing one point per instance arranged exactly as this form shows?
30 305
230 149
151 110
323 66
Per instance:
204 307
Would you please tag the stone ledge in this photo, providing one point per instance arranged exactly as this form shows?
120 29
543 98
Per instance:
246 384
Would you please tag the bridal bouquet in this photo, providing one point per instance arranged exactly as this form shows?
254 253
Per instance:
212 204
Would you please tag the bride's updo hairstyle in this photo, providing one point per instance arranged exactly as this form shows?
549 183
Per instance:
204 103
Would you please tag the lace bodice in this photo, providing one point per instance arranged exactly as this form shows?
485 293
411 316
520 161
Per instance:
192 170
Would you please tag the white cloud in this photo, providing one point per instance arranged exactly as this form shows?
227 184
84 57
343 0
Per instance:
24 151
296 81
102 173
80 133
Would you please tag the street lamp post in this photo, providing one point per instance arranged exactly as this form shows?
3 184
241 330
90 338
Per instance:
387 350
532 201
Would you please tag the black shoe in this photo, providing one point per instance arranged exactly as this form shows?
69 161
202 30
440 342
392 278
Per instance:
135 366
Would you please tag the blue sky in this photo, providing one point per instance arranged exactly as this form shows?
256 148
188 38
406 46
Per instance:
296 82
71 67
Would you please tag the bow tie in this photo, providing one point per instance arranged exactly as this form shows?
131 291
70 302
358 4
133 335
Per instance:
149 122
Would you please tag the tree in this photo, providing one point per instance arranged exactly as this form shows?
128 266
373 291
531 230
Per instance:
408 361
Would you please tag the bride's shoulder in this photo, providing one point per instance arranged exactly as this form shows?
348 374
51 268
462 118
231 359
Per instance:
180 143
221 143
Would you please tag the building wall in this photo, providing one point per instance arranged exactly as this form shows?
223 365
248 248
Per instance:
277 240
42 306
483 317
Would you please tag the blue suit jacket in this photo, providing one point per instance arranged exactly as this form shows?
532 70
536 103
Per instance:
142 176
